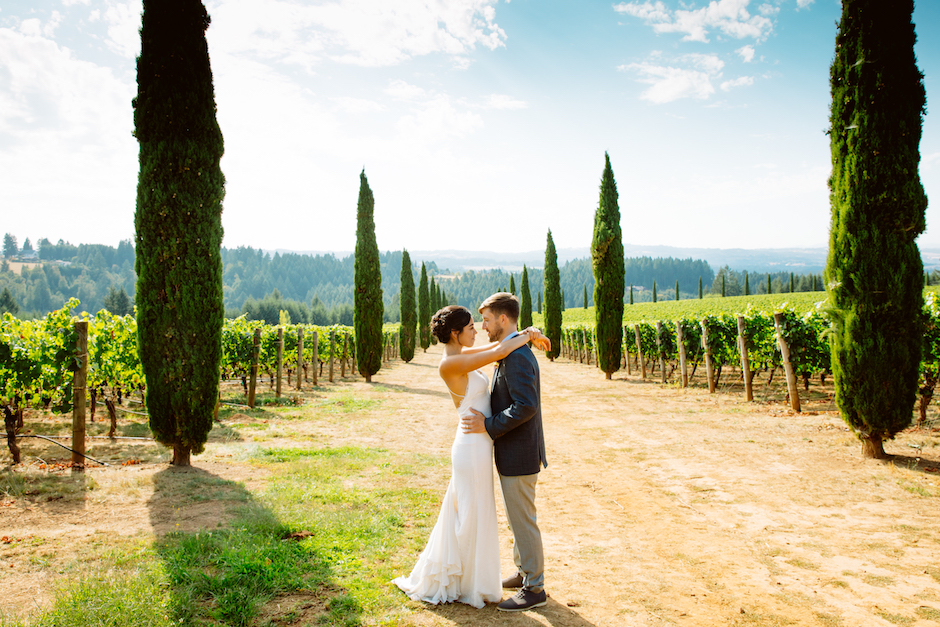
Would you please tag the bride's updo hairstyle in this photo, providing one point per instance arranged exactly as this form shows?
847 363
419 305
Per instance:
450 318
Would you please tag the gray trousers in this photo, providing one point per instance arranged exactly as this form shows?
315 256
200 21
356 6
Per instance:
519 499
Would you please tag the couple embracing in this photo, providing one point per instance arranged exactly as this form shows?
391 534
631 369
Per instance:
461 559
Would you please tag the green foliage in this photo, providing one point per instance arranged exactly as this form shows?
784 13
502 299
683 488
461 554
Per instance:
554 302
874 271
525 301
178 224
118 302
37 359
608 265
368 294
512 284
409 315
10 247
424 310
8 303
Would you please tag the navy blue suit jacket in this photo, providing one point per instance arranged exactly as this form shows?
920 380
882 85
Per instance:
516 423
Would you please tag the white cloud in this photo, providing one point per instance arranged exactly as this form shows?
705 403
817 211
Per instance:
746 53
359 32
68 3
738 82
356 105
730 17
503 102
400 90
802 4
123 22
669 82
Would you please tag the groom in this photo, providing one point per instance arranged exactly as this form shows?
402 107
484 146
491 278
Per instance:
516 430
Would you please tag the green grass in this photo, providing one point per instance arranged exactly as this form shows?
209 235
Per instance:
334 525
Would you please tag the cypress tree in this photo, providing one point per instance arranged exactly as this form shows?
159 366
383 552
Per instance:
540 302
747 285
178 225
368 308
874 269
631 293
512 285
770 287
792 284
608 265
585 297
654 291
525 301
677 290
424 310
700 295
409 317
554 299
723 285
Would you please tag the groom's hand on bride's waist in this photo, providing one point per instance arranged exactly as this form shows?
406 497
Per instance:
474 423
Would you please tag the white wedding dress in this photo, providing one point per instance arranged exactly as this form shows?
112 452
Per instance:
461 559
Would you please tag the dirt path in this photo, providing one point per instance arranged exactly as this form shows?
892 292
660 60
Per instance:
660 506
669 506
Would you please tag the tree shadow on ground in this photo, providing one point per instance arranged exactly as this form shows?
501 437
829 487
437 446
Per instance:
230 561
924 464
410 390
554 613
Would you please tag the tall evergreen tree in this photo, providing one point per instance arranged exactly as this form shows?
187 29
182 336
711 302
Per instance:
770 286
585 296
368 305
631 293
409 316
747 285
554 299
512 285
8 303
607 263
178 225
874 269
540 302
723 277
792 284
677 290
424 310
10 247
118 302
700 294
654 291
525 301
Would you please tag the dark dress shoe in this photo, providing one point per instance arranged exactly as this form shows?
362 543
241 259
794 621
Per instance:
523 600
515 581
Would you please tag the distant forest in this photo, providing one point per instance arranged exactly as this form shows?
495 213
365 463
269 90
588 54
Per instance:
319 288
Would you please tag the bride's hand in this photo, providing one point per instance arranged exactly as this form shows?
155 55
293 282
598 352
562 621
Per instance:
538 340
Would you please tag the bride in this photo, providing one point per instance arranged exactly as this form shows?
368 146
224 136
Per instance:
461 559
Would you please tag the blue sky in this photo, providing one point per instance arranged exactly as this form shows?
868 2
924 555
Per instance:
480 124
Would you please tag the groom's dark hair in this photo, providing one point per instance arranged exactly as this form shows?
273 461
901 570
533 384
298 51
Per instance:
502 303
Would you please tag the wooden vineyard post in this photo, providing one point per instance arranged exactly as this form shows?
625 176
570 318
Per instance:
745 362
683 370
300 355
253 373
315 340
78 394
332 351
639 350
626 350
709 366
659 346
352 356
280 361
787 366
